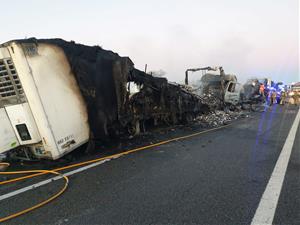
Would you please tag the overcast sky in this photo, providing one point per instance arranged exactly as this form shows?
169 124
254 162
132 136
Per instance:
253 38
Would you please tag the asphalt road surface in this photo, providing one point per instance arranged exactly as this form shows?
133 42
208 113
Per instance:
214 178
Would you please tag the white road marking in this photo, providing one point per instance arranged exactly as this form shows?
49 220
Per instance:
265 212
267 206
42 183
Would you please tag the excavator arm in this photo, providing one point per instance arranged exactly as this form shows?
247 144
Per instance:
195 70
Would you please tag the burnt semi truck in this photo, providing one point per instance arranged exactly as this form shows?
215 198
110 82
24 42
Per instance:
56 96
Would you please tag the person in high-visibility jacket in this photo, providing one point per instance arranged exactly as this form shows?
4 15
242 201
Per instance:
262 90
273 97
283 98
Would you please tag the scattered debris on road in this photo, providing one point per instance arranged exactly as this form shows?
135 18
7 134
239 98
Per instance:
219 118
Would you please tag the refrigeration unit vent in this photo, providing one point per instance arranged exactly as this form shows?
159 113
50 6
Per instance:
11 91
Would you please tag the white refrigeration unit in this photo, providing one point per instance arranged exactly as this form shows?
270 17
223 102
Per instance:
42 111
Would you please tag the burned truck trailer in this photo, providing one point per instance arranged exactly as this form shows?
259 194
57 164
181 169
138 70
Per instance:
55 96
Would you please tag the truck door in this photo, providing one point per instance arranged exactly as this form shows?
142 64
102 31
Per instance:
232 93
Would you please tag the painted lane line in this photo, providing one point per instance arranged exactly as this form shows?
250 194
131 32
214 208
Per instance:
45 182
265 212
96 163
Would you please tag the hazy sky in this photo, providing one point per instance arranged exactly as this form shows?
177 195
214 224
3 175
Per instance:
248 38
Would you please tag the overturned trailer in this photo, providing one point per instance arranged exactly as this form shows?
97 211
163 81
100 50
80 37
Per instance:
56 96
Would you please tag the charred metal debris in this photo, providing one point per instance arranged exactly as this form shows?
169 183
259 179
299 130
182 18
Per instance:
122 100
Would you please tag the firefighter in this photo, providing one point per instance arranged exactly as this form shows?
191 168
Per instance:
262 90
273 96
283 98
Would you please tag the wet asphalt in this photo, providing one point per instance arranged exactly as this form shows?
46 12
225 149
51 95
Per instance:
214 178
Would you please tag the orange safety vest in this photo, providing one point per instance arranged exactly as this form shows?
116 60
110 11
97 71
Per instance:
262 88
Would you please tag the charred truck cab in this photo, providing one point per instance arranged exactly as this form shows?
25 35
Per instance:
232 93
42 112
224 86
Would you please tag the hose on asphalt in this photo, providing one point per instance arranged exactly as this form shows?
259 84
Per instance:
60 192
55 171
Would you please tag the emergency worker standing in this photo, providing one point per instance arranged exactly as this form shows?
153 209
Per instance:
273 97
262 90
283 98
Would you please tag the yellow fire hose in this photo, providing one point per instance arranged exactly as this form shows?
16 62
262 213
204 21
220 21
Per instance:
41 203
55 171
